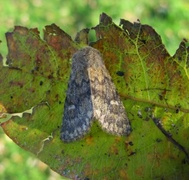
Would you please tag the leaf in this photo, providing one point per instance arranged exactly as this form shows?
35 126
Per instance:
152 84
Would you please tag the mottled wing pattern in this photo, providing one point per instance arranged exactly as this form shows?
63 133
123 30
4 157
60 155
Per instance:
92 94
107 106
78 108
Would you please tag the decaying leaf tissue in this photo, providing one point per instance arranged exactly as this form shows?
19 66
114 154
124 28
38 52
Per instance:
92 95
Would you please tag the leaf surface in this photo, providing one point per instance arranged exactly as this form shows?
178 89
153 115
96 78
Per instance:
151 83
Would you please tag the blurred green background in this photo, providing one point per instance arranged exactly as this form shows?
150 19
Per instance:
170 18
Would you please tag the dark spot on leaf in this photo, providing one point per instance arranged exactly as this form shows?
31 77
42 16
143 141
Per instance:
177 106
107 154
36 68
120 73
97 125
160 97
11 97
144 41
60 102
130 143
184 161
50 76
158 140
132 153
41 83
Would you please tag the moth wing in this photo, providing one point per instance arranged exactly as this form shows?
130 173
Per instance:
107 106
78 108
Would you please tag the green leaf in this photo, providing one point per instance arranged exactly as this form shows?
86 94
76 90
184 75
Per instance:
152 84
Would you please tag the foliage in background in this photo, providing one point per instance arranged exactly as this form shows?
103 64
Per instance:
169 18
19 164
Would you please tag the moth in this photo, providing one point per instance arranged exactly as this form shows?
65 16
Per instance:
91 95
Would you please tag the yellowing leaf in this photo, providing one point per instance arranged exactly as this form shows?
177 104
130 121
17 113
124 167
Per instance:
151 83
